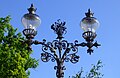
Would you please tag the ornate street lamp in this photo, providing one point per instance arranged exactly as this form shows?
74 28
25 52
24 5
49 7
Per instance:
60 50
30 22
89 24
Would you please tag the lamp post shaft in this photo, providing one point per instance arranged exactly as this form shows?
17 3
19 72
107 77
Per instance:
60 62
59 72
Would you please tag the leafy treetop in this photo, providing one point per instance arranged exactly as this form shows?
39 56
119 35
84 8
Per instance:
15 59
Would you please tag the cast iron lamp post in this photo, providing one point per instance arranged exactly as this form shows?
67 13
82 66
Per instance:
60 50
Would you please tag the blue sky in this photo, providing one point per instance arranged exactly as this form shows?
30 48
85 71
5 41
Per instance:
72 11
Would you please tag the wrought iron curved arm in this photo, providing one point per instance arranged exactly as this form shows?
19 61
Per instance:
46 56
72 57
53 46
89 45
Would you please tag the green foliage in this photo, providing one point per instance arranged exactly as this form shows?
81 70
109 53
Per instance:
93 73
14 57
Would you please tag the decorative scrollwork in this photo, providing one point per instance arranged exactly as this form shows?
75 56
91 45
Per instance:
72 58
45 57
46 46
60 51
59 28
56 44
65 44
74 48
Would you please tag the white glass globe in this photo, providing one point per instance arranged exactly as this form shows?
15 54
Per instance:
31 21
89 24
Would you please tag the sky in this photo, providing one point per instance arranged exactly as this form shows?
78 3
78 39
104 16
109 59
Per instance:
72 11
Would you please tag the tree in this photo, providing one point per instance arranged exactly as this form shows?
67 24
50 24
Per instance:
93 73
15 59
